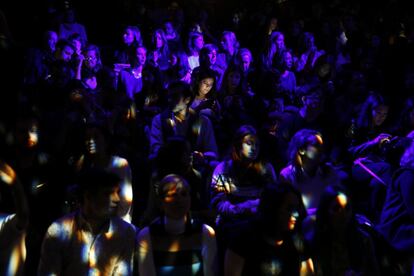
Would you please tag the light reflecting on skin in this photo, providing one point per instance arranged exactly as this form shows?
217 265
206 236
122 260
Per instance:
92 258
342 200
174 246
273 268
319 139
33 137
119 163
197 128
292 220
18 256
108 235
306 201
143 251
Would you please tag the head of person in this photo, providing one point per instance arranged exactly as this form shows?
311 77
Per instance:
246 145
169 29
407 115
283 60
179 96
97 138
245 59
305 146
233 78
334 211
64 50
132 36
281 210
92 56
98 192
374 111
308 41
195 42
174 196
76 41
205 83
158 39
229 42
278 40
140 56
50 39
26 132
208 55
312 98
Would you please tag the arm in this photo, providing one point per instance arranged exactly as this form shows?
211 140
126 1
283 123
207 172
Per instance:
50 262
8 176
209 251
307 268
233 264
145 259
221 185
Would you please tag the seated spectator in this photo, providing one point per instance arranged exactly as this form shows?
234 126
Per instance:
195 44
91 239
306 170
370 169
97 154
341 246
272 243
131 39
177 119
159 54
205 95
175 243
397 217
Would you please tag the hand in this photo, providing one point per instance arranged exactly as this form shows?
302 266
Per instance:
381 139
7 174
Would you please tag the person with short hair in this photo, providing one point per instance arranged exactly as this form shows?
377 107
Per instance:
91 239
175 244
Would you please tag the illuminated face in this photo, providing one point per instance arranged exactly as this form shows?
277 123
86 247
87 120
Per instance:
212 57
313 151
27 133
280 42
91 59
234 79
379 115
249 148
104 202
205 86
66 53
340 211
246 62
176 200
226 43
141 56
198 43
288 213
288 60
77 44
158 41
128 37
169 29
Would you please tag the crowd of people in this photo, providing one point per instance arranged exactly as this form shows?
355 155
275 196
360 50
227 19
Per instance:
276 140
